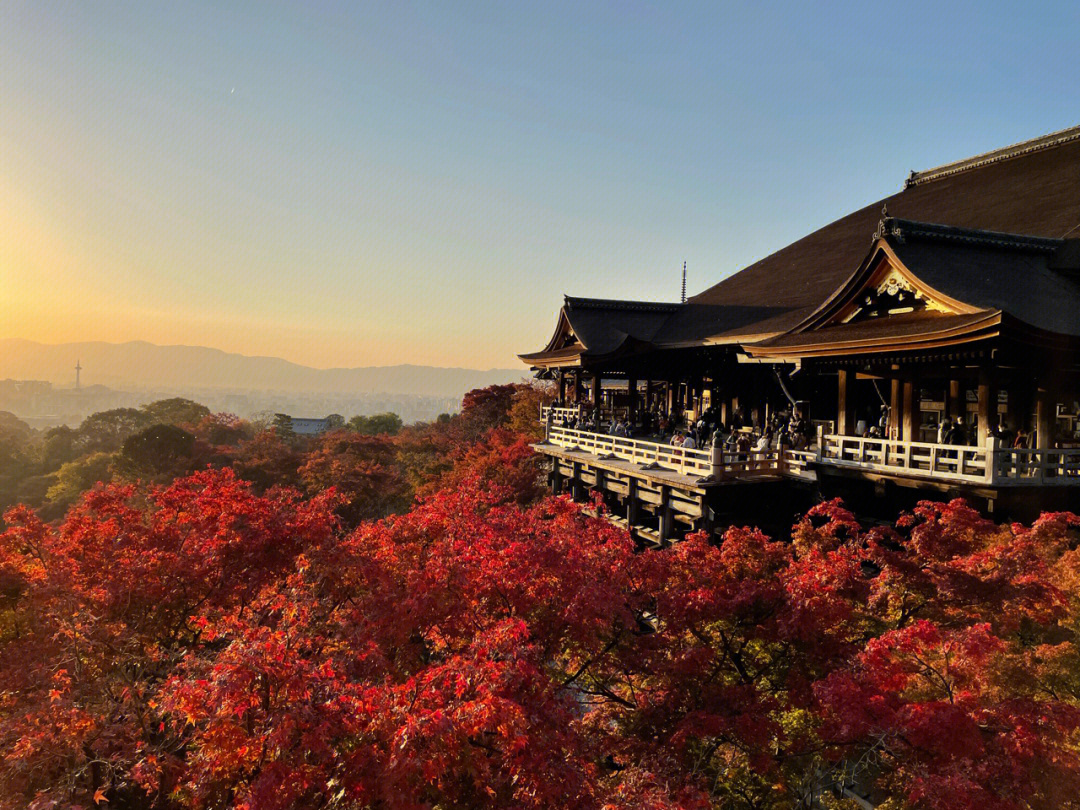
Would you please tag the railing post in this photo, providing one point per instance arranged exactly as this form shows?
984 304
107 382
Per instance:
991 459
716 460
820 442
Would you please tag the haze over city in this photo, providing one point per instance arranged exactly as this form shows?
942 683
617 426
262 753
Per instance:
372 184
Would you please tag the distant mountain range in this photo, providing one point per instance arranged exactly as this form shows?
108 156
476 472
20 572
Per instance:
145 365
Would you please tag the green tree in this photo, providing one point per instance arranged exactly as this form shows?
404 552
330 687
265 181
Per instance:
76 477
176 411
380 424
161 452
105 431
58 448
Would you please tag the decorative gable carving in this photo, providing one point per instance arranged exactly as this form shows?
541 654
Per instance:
893 294
888 291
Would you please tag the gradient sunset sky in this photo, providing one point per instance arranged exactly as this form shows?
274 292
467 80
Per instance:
387 182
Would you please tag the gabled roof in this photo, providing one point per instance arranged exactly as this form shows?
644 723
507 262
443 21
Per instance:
924 284
598 329
1029 188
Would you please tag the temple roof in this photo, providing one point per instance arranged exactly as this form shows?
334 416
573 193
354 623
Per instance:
1001 250
924 284
1029 188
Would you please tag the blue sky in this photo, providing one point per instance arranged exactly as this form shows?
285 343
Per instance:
373 183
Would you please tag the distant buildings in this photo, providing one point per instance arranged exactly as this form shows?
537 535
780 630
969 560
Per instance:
303 426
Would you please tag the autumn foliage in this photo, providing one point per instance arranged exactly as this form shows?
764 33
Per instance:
219 642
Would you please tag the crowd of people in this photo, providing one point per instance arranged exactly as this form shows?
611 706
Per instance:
785 429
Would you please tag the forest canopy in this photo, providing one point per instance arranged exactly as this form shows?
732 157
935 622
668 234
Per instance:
406 620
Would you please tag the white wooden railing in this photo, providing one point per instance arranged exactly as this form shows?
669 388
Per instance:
714 462
917 459
688 462
1037 467
560 413
988 465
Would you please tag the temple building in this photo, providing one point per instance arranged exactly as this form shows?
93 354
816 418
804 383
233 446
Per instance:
929 345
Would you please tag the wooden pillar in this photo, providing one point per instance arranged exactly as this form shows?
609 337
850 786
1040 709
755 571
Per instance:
632 392
577 486
845 416
578 393
895 409
957 404
671 397
908 425
987 406
556 477
1044 418
666 527
631 502
562 388
649 392
597 387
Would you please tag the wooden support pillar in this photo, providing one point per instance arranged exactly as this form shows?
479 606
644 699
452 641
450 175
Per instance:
632 506
577 486
895 409
666 516
671 397
845 405
562 388
597 387
556 477
578 393
908 425
649 392
957 401
987 406
1044 419
633 400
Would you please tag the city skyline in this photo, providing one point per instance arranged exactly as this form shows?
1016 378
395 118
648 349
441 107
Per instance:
343 186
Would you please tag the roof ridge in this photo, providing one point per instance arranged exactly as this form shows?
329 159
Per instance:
994 156
902 229
615 303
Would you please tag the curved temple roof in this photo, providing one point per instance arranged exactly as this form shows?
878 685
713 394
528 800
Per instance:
1000 247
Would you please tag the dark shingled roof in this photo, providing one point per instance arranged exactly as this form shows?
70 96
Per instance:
1030 188
604 325
991 270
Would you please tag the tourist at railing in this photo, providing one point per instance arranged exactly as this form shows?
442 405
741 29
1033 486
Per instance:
764 442
958 433
944 427
688 442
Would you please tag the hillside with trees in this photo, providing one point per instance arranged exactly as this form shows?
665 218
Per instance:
390 616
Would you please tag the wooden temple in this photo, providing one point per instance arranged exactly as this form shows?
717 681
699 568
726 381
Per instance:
954 301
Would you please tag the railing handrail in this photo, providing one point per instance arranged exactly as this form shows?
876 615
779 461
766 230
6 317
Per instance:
988 464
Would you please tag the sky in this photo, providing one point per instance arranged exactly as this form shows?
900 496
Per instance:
375 183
